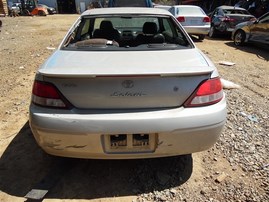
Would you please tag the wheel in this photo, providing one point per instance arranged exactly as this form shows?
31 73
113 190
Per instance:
239 38
26 12
41 13
201 37
212 31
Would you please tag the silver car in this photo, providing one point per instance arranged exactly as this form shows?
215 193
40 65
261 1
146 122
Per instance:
127 83
193 19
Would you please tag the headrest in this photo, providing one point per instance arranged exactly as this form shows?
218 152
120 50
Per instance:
150 28
106 24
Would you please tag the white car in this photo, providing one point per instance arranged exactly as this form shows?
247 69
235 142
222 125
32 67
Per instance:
193 19
127 83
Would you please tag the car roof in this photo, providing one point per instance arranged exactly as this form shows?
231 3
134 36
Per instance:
126 10
231 7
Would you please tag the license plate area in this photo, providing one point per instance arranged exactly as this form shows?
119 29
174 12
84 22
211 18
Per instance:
194 22
128 143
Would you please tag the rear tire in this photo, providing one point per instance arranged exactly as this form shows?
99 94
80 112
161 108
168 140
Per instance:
41 13
239 38
201 37
212 32
26 12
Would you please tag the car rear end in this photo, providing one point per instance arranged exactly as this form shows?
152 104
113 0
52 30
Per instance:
193 19
127 103
153 114
234 17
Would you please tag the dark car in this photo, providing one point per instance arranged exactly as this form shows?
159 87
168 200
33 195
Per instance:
51 10
252 31
133 3
225 18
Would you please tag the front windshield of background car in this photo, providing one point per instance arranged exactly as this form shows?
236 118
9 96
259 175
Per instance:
128 31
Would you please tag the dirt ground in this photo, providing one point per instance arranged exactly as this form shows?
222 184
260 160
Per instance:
235 169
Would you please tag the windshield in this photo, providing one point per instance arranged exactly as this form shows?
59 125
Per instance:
234 11
129 31
190 11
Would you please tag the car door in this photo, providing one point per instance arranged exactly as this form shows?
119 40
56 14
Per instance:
259 31
216 17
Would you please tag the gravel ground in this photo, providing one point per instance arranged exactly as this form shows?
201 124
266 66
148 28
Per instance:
235 169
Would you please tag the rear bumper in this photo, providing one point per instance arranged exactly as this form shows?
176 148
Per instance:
225 28
204 30
178 131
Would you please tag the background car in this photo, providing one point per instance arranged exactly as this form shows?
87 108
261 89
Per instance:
50 10
225 18
15 7
252 31
193 19
104 92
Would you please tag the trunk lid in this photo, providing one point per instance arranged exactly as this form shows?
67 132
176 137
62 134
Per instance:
194 21
126 80
238 18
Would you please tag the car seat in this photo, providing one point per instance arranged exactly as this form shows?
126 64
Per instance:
150 34
107 31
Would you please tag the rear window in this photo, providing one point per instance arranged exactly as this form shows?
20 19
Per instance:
234 11
189 11
126 32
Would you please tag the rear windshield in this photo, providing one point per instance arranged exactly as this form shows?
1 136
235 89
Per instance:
190 11
234 11
126 32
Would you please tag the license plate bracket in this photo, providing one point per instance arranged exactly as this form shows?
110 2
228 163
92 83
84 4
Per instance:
130 143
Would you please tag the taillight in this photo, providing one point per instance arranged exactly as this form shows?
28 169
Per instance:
47 95
181 19
206 19
208 93
226 19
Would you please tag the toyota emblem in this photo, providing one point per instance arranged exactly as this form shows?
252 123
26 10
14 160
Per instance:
127 84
